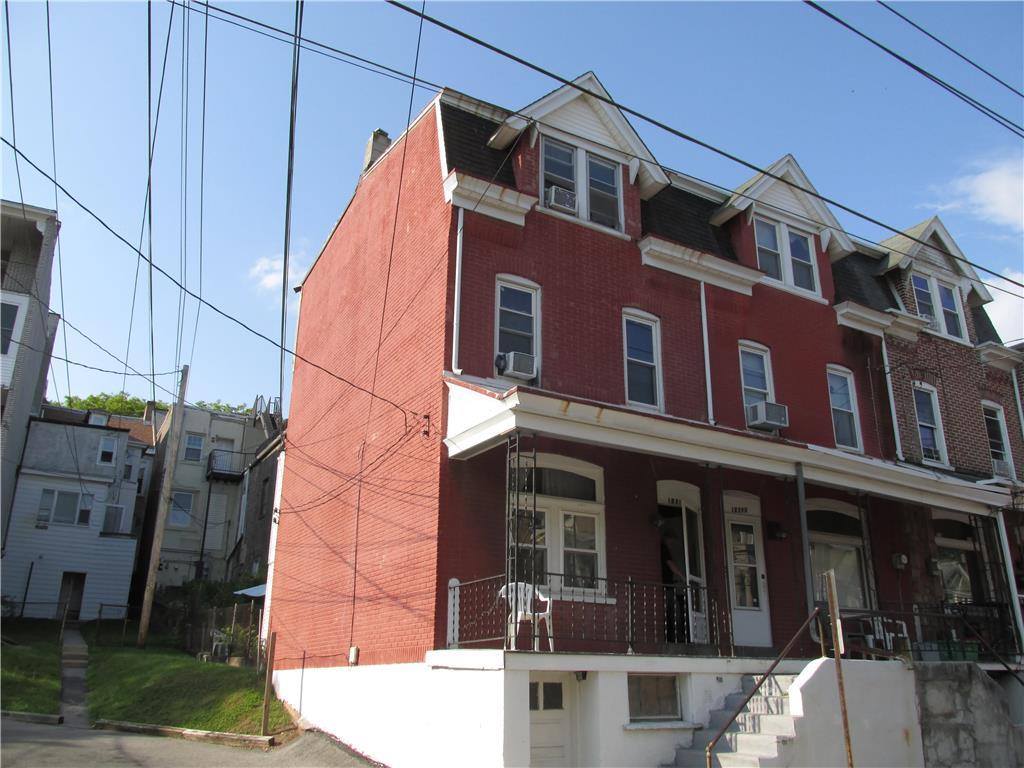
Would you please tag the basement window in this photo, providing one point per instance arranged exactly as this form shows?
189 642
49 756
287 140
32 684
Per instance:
653 697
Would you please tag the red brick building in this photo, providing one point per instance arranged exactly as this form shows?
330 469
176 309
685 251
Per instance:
547 364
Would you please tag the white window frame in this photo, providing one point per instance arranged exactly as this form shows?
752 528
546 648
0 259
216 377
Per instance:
113 451
520 284
581 168
846 373
940 434
782 232
186 447
1001 417
171 509
938 322
758 349
21 302
631 314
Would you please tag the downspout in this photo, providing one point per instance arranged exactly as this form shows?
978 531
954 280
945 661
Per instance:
1016 397
892 401
1004 544
457 308
707 354
801 501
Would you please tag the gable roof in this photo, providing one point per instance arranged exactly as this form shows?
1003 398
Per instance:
650 175
834 238
904 247
684 218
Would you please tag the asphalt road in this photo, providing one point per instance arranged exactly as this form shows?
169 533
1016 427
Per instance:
27 745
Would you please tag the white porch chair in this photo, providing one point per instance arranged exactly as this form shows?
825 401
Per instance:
524 601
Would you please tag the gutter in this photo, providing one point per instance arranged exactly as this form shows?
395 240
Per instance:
892 402
457 308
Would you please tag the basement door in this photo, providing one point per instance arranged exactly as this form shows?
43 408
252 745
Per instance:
748 584
551 736
72 587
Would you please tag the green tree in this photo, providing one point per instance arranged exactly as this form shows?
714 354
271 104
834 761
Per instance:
223 407
120 403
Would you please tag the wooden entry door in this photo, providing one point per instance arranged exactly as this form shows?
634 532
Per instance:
551 733
748 582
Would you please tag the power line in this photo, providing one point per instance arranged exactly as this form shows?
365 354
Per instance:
10 81
950 48
680 134
999 119
202 184
405 412
149 182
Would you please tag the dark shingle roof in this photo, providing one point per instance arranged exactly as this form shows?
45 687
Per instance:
983 327
684 218
465 146
856 280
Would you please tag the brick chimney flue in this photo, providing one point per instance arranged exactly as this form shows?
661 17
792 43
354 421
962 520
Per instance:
375 147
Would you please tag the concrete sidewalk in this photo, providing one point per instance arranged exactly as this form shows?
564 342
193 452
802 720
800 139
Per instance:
74 661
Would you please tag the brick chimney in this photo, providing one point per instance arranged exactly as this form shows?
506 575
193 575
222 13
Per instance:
375 147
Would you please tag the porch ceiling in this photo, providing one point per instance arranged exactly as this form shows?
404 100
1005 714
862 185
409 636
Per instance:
481 414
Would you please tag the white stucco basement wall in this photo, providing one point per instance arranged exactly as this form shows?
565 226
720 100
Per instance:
885 728
410 715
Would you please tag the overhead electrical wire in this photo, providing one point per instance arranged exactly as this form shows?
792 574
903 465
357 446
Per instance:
202 185
149 189
950 48
1005 122
10 82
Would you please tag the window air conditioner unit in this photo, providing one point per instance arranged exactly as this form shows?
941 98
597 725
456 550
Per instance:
767 416
561 199
1001 468
518 365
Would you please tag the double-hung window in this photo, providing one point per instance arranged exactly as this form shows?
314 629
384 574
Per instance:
579 549
653 697
112 517
578 183
108 450
786 255
65 507
517 326
756 374
181 509
929 423
13 309
193 448
998 444
642 350
843 402
939 302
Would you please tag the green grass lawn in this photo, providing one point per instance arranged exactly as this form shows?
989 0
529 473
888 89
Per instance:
30 666
168 687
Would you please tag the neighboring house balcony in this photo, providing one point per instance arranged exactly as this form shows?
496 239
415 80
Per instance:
592 528
226 466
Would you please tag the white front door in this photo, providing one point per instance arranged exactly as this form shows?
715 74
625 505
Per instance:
551 737
748 584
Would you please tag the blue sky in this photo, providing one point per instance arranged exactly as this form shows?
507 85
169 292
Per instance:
758 79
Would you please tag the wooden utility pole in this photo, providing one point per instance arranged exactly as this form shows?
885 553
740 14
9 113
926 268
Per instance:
170 459
268 684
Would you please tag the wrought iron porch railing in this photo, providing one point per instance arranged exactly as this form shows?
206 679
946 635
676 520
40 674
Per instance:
226 464
936 632
587 614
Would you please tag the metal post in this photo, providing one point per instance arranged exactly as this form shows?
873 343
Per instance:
63 621
124 626
629 614
201 565
833 613
28 581
99 621
234 616
268 684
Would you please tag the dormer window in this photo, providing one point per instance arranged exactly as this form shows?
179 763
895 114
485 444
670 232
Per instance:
934 296
580 184
786 255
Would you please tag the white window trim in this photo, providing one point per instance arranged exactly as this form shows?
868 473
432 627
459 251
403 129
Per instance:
184 449
766 353
21 302
645 318
782 231
99 452
940 433
1001 414
192 510
583 185
522 284
940 319
846 373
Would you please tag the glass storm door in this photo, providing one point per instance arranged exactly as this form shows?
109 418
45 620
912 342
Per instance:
748 587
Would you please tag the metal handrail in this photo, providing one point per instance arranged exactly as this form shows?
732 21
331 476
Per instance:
991 650
757 686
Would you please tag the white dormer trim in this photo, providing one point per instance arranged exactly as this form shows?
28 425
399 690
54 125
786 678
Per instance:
696 265
650 176
998 356
905 325
488 198
862 318
839 243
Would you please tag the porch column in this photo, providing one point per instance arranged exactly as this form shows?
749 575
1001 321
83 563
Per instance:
801 500
1004 543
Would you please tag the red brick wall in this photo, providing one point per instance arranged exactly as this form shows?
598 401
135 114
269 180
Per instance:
356 561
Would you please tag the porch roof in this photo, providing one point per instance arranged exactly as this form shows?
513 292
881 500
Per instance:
482 412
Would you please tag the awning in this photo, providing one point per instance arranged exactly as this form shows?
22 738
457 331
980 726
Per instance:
260 590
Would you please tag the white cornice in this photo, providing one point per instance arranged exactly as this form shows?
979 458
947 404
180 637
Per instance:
624 429
998 356
905 325
488 198
697 265
862 318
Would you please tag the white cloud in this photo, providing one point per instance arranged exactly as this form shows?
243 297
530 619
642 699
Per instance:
266 271
1006 311
991 190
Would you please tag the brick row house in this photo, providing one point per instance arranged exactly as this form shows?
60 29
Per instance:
644 416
